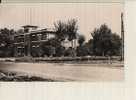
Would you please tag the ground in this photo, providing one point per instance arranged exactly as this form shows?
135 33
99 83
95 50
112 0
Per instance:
68 72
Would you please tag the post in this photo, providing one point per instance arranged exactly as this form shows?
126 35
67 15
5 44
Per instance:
122 37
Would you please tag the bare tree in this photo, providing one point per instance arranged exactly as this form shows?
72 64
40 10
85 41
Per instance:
60 28
66 29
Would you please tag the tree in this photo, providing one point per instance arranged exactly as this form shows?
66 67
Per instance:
89 44
66 30
71 31
105 42
83 50
115 45
60 28
69 52
53 48
81 40
6 42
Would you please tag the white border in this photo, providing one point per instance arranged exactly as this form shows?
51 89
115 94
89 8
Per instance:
85 91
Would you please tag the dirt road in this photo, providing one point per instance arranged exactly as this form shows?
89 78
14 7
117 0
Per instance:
69 72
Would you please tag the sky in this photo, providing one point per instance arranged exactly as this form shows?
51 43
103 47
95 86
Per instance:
88 15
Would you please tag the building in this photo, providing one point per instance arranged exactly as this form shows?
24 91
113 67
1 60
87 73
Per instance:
66 43
31 40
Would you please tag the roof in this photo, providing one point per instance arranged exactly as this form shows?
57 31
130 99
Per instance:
38 31
29 26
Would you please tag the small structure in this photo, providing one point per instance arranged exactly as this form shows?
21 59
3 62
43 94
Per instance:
66 43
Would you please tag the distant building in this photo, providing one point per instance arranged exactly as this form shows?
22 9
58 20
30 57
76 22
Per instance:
30 40
66 43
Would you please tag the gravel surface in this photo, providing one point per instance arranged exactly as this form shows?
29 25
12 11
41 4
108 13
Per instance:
12 76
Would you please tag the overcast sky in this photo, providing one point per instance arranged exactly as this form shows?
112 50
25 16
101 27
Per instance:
89 15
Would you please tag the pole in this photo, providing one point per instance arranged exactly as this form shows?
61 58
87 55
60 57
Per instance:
122 37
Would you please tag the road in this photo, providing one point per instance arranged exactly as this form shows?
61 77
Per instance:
68 72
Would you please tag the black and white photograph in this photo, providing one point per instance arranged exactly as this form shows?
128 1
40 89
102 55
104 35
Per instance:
62 42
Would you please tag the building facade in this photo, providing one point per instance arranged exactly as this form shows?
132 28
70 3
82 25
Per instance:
30 40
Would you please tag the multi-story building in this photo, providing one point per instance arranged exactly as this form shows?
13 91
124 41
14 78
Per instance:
31 40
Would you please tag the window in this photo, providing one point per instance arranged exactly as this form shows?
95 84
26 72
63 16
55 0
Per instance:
44 37
39 36
34 37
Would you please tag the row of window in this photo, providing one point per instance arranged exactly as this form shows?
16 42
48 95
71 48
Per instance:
21 50
37 37
34 37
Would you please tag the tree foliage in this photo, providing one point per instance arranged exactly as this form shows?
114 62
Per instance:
83 50
81 40
53 48
105 42
60 28
71 29
6 42
66 29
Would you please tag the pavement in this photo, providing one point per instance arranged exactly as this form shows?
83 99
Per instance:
68 72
